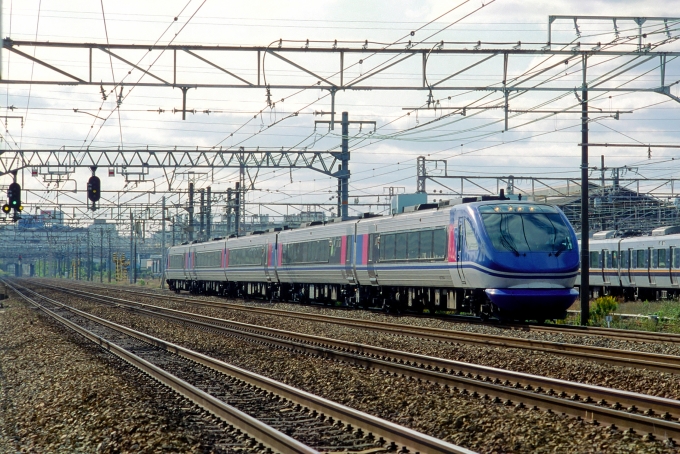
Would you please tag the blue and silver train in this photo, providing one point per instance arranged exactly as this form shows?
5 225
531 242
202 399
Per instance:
495 258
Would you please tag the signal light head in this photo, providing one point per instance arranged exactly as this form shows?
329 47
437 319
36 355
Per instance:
6 208
20 208
93 187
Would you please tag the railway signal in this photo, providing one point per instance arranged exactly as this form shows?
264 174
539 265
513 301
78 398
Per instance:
6 209
94 190
14 197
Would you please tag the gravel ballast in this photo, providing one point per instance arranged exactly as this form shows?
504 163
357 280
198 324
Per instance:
59 393
521 360
459 419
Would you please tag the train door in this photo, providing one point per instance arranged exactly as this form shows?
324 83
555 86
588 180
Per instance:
631 273
605 265
346 258
650 261
616 266
459 250
270 259
673 263
373 254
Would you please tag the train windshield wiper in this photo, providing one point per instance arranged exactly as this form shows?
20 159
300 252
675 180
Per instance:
506 240
561 248
509 245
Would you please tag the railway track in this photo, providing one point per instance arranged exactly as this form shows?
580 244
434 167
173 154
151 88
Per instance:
622 409
241 398
594 331
627 358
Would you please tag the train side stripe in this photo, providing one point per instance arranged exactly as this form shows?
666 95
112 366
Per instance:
452 245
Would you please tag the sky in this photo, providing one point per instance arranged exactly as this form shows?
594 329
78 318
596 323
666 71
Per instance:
537 145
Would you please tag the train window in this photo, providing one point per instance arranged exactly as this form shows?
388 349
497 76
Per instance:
640 253
387 249
177 261
426 244
336 249
615 259
594 259
526 228
625 259
470 239
302 253
324 250
439 243
209 259
662 258
317 251
374 253
413 245
401 246
247 256
676 257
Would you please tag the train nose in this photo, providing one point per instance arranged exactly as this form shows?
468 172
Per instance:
533 300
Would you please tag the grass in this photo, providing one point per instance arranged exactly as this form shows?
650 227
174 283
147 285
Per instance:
667 314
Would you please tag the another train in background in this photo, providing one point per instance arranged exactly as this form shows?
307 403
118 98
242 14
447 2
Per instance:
494 258
641 267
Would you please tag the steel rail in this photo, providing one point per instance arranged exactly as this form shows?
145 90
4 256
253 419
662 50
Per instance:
258 430
612 333
357 353
377 426
626 358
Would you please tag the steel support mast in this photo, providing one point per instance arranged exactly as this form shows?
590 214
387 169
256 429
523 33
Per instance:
585 228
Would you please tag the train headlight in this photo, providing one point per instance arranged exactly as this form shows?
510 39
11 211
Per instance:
497 209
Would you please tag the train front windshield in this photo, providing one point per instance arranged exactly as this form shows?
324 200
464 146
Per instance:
526 228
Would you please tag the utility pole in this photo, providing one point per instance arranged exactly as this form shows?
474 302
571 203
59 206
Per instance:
237 210
343 172
101 255
132 257
343 175
77 262
88 275
208 209
162 267
134 264
108 261
191 212
585 228
201 218
229 211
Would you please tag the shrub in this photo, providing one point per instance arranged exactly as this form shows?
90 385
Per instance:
142 282
602 307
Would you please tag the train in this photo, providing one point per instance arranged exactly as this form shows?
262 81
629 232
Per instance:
635 267
488 257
